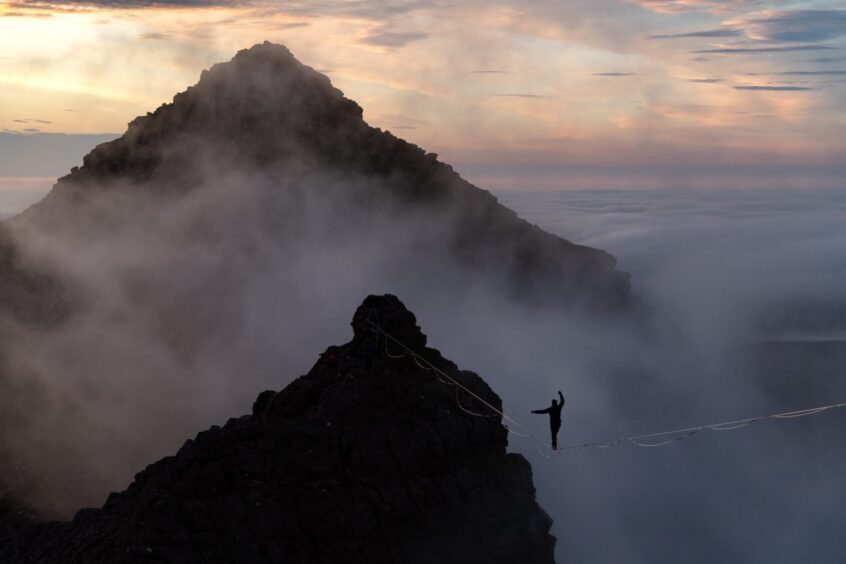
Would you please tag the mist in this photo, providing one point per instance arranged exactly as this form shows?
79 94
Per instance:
188 318
184 304
185 308
725 271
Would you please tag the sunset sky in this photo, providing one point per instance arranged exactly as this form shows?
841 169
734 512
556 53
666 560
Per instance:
538 94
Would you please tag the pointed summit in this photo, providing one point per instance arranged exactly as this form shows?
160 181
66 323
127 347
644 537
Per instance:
267 120
260 108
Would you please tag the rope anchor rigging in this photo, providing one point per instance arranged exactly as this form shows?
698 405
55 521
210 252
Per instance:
636 440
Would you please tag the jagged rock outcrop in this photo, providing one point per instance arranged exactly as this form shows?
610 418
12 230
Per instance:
366 458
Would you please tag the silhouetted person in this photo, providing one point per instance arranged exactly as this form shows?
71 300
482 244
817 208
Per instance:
554 411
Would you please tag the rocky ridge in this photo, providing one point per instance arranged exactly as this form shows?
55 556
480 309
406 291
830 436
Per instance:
366 458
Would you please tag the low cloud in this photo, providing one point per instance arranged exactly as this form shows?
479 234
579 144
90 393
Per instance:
613 164
715 261
775 88
614 74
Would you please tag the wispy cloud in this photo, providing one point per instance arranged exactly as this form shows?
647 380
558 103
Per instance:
799 73
806 26
758 50
775 88
676 6
154 36
392 38
519 95
825 60
722 32
65 4
705 80
25 14
374 10
614 74
32 120
292 25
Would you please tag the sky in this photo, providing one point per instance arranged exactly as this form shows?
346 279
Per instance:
527 96
533 95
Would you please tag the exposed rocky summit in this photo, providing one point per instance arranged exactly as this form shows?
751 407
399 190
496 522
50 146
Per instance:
367 458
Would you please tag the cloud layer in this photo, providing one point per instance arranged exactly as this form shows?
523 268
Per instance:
716 266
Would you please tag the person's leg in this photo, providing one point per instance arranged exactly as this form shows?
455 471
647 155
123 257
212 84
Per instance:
554 428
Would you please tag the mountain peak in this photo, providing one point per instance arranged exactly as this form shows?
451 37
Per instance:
262 107
265 119
387 314
367 458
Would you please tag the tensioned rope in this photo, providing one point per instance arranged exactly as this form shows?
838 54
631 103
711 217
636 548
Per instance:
681 434
445 378
637 440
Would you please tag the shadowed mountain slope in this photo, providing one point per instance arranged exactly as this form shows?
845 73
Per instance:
367 458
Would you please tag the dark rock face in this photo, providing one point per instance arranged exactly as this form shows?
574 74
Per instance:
367 458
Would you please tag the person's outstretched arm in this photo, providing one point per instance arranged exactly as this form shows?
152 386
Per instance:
560 395
542 411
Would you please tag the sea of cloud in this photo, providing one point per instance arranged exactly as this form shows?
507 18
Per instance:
723 270
193 304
